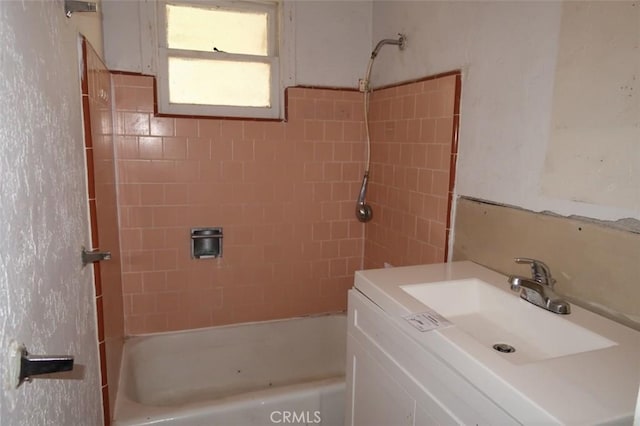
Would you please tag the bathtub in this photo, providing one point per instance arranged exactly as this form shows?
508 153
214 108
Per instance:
287 372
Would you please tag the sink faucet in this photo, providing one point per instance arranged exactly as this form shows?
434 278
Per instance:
539 288
539 271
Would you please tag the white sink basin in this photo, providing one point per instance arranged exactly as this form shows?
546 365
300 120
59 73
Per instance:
492 316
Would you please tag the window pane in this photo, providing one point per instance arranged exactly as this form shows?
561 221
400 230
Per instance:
196 28
212 82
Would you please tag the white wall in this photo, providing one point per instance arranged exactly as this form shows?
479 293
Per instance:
331 46
47 299
595 128
333 42
507 52
122 36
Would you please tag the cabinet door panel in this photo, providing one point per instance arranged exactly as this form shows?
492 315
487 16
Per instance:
377 398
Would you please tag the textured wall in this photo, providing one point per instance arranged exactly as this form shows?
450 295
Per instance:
46 297
283 191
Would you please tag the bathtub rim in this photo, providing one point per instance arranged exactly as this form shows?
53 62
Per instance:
232 325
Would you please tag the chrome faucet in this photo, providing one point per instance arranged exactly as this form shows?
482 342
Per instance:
539 288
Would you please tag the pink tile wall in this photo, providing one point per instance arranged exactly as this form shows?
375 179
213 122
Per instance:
283 191
97 110
413 156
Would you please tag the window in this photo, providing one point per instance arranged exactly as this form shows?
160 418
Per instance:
219 58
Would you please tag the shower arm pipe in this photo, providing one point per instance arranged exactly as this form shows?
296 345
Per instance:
400 41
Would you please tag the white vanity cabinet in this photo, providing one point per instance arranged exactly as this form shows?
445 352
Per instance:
574 369
391 380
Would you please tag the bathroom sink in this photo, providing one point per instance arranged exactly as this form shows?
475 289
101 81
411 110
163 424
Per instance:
588 360
492 316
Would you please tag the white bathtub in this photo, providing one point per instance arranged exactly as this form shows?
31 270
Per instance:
288 372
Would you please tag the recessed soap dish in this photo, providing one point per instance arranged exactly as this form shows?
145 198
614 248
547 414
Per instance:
206 243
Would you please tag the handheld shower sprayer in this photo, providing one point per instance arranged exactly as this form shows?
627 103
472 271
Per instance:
364 213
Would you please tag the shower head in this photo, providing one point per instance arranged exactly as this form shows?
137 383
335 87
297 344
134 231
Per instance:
400 42
364 213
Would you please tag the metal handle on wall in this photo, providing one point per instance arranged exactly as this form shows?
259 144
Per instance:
23 366
91 256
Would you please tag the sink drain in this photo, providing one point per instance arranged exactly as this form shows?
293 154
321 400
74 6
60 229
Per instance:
504 348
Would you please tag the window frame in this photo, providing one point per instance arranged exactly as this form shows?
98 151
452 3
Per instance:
272 8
